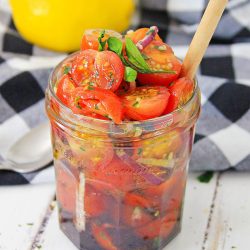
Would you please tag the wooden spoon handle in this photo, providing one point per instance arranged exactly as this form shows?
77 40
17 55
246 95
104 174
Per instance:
202 37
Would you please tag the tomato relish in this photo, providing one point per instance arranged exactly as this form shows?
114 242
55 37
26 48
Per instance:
123 78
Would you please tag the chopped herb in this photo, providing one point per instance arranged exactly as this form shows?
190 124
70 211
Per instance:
136 104
76 102
170 84
91 84
90 88
66 70
139 151
101 43
107 116
206 177
130 74
30 224
96 107
82 148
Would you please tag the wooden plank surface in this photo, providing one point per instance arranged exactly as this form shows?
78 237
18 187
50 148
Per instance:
230 221
216 216
196 212
22 210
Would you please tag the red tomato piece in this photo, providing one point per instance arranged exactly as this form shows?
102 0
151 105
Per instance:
66 188
94 202
139 34
180 92
135 216
145 102
102 237
100 69
116 175
90 38
160 57
136 200
65 87
109 70
160 227
97 100
83 67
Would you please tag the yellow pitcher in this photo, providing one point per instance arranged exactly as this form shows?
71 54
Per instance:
59 24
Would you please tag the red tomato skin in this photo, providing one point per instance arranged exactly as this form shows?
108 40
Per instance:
94 202
99 69
83 69
149 106
111 70
89 42
160 227
180 92
108 100
66 189
102 237
64 89
158 59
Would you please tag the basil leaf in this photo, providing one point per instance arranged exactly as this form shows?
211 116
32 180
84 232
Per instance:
101 43
136 59
130 74
66 70
115 45
206 177
134 55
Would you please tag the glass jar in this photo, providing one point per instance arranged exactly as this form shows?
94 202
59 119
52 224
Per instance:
120 186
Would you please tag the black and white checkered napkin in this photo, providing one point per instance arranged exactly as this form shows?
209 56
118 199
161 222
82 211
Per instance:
223 131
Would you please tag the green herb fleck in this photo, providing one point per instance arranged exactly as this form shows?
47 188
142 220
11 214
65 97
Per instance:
82 148
107 116
115 45
205 177
66 70
96 107
101 43
76 102
91 84
90 88
139 151
30 224
130 74
136 104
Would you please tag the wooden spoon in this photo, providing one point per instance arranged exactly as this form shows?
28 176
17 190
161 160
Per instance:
202 37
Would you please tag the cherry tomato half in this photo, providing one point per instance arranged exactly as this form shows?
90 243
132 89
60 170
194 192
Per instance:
145 102
97 100
159 227
102 237
139 34
100 69
160 57
180 92
65 87
94 202
90 38
115 176
135 216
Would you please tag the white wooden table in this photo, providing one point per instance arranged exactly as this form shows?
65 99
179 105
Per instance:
216 216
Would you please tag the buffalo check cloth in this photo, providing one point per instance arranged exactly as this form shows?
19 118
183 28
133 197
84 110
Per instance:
222 138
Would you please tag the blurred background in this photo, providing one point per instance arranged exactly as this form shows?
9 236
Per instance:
36 35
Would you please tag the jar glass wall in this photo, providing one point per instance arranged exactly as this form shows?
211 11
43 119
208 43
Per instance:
120 186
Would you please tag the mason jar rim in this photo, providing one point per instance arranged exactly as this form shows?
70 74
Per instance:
166 120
